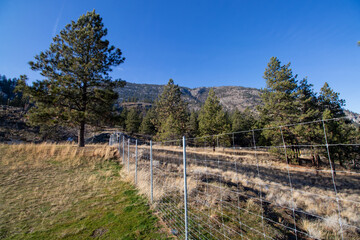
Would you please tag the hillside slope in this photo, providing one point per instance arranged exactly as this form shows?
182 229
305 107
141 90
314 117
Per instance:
231 97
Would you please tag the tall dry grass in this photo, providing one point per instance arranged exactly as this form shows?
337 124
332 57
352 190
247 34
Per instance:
308 199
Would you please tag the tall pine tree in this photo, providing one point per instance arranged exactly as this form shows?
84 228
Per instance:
308 111
279 97
338 131
329 100
242 121
78 89
193 124
147 126
280 105
171 116
213 120
132 121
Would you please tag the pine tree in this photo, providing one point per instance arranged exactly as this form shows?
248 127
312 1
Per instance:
285 101
133 121
279 97
123 116
280 105
147 126
329 100
168 130
193 124
212 120
78 89
10 94
308 111
170 111
308 102
242 121
339 131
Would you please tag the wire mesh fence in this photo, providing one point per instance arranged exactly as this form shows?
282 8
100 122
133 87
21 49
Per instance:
299 181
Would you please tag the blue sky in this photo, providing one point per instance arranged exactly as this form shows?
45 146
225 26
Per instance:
201 43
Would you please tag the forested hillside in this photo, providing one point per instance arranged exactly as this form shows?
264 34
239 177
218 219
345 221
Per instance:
231 97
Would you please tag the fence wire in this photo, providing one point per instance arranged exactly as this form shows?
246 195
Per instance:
299 181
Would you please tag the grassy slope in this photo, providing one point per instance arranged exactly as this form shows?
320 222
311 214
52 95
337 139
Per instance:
59 192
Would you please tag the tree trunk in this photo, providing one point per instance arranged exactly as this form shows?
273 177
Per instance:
81 137
313 160
317 160
341 163
298 156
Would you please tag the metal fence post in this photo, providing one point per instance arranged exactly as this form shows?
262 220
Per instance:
136 160
128 161
151 173
123 143
185 188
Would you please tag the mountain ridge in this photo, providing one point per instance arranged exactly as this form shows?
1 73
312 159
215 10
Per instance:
231 97
195 97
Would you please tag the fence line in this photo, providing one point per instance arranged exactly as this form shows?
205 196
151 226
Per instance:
238 186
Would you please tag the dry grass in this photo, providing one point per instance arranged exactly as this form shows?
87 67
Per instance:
312 193
314 228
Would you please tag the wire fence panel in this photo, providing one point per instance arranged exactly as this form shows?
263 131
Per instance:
299 181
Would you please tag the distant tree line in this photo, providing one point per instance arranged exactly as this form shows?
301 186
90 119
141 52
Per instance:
8 95
285 100
136 99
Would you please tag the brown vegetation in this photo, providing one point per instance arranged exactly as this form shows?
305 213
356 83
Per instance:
250 193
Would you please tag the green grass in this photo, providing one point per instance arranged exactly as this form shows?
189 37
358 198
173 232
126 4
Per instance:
53 198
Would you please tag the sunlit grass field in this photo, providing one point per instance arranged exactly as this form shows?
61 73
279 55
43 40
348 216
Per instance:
52 191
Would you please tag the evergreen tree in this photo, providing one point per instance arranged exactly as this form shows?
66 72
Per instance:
123 117
280 105
78 89
308 111
147 126
193 124
279 97
170 110
338 131
169 130
7 87
308 102
242 121
286 101
10 94
133 121
329 100
212 120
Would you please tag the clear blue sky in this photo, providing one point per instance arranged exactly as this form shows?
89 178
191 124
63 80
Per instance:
201 43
